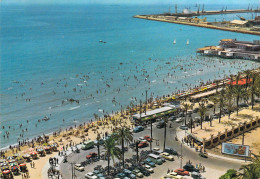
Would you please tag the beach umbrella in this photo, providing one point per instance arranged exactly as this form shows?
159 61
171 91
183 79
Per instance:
10 158
22 164
13 164
33 153
11 161
6 171
26 156
14 167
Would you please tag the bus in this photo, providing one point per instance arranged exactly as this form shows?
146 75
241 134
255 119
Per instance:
88 145
155 158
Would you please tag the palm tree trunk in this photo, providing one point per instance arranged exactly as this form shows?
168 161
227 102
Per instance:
252 100
185 118
165 126
108 163
201 122
191 125
98 147
123 152
237 104
220 113
151 135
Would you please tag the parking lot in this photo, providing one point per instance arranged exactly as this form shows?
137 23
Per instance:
159 170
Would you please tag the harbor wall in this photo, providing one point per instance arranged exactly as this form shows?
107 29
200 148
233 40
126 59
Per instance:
198 25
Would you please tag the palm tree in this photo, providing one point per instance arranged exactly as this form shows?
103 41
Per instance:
123 135
111 151
229 99
248 74
186 106
215 101
221 103
254 89
98 145
165 126
202 111
251 171
238 92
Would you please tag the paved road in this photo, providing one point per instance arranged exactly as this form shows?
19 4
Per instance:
214 167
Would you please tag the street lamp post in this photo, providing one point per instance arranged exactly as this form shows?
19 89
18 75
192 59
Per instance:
165 125
181 156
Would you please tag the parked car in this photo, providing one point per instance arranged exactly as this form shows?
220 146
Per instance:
149 168
167 156
90 175
147 137
143 144
138 129
160 124
179 120
209 105
190 168
243 105
149 162
91 155
182 172
196 175
183 127
204 155
195 110
138 173
172 175
120 175
170 151
79 167
172 118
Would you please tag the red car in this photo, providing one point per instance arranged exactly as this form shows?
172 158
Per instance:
182 172
91 155
147 138
143 144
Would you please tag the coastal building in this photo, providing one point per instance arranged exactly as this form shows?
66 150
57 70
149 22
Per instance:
232 48
239 23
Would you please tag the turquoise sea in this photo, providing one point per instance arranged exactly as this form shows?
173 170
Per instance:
51 53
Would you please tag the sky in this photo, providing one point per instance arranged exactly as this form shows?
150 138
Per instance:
255 2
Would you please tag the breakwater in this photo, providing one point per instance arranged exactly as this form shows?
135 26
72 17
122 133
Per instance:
148 17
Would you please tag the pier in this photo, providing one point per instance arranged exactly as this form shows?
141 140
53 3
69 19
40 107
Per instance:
174 19
199 13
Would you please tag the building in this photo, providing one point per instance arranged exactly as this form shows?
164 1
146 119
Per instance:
232 48
239 23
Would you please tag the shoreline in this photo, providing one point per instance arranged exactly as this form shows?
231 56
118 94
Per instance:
182 94
198 25
72 135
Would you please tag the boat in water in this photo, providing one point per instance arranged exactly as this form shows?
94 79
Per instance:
174 42
45 118
188 42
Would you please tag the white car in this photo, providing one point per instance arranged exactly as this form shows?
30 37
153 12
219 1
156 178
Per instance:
167 156
141 139
79 167
179 120
149 168
90 175
156 149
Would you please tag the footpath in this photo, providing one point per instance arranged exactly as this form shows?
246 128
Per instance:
57 166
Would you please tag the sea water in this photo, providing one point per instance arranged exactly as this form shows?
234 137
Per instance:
52 53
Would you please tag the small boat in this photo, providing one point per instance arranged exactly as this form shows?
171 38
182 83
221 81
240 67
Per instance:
188 42
174 42
45 118
100 40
